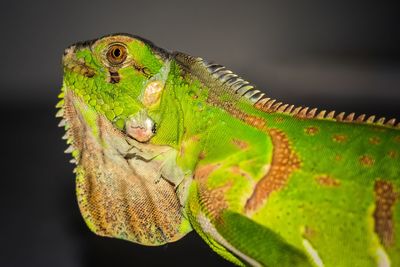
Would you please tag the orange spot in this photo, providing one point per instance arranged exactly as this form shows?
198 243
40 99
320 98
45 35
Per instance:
393 154
339 138
326 180
309 232
312 130
338 157
375 140
202 155
257 122
385 198
367 160
195 138
240 143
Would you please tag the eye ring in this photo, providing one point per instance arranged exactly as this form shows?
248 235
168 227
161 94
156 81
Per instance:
116 54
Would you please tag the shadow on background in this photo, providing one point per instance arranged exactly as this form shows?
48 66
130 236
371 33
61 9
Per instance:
334 56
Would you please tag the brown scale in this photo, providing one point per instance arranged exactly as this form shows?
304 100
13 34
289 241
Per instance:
374 140
385 198
338 157
240 144
213 199
284 163
254 121
367 160
339 138
312 130
393 154
328 181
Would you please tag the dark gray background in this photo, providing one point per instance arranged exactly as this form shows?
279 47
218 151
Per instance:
333 54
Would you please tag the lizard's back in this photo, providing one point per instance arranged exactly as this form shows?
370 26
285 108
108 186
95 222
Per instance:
329 185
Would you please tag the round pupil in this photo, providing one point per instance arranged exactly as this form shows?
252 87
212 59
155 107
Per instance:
117 52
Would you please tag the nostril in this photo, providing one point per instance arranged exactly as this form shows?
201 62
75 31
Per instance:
69 50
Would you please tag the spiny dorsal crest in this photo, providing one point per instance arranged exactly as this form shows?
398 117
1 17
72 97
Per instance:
233 81
260 100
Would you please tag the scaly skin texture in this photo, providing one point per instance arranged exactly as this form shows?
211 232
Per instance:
165 142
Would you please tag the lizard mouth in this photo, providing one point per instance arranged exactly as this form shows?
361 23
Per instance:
119 182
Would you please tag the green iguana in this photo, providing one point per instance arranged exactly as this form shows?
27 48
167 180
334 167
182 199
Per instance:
165 143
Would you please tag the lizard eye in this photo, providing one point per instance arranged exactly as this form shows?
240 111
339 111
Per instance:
116 54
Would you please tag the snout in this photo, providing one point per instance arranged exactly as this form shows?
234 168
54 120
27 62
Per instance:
68 54
71 63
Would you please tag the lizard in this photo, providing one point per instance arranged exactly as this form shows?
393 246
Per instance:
165 143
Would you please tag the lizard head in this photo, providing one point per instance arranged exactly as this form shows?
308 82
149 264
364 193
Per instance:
110 85
120 76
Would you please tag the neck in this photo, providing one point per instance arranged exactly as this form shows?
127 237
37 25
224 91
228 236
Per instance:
193 108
